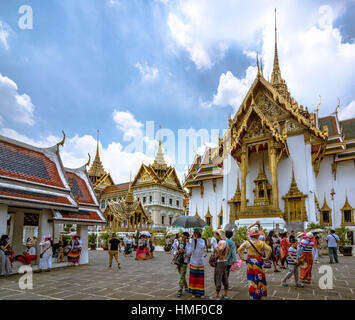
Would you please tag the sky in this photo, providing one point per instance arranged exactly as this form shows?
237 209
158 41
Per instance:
140 70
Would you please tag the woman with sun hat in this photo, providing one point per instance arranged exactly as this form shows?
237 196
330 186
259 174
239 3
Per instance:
257 251
306 246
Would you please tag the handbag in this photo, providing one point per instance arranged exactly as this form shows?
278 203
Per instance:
301 262
267 264
213 261
178 259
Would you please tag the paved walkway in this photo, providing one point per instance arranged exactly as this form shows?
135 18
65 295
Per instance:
157 279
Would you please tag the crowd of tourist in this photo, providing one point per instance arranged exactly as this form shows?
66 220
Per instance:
285 250
47 250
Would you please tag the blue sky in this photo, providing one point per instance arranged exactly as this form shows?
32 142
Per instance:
113 65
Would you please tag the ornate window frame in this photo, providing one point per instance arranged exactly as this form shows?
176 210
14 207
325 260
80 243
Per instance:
347 207
325 208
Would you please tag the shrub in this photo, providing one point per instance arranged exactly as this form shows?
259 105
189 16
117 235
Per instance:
241 234
92 238
342 234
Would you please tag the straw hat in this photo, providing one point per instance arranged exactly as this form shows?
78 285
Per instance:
299 234
254 232
221 234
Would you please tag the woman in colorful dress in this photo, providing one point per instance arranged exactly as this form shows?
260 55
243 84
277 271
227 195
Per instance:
5 264
196 252
75 251
306 246
257 251
141 253
284 246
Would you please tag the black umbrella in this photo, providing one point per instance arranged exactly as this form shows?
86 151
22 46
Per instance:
188 222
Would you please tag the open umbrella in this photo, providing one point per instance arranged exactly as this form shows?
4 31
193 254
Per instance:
189 222
145 233
72 233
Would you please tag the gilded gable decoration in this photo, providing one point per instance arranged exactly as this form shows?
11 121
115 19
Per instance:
325 214
295 207
347 213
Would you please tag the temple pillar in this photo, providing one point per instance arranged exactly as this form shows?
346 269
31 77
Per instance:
244 172
3 218
84 255
273 170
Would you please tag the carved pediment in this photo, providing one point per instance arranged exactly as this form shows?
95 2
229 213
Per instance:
268 107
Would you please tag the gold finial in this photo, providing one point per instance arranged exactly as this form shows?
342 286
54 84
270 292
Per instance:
61 143
320 101
338 106
257 62
261 66
88 163
97 147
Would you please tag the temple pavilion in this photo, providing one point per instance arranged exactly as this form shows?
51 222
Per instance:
277 163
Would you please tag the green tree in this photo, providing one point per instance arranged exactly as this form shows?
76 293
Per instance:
92 238
342 234
312 226
241 234
207 233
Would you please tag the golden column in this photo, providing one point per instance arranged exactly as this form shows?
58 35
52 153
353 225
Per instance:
244 172
273 169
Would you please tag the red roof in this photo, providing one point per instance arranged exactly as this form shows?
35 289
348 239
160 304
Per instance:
26 164
80 188
81 215
120 186
25 194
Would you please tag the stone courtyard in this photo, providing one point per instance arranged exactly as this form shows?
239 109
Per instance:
157 279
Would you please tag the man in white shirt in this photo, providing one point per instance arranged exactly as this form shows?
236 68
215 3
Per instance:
214 243
332 241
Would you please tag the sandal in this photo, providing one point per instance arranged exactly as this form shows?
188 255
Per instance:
299 285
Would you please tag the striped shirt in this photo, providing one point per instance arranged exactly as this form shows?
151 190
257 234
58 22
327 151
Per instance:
306 245
293 252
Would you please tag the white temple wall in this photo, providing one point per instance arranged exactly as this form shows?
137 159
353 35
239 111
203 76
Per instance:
344 185
301 156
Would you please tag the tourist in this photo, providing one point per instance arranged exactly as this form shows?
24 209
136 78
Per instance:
220 270
113 246
292 235
46 254
140 253
299 237
214 243
75 250
292 259
150 247
128 247
168 246
307 244
270 240
60 255
257 251
284 246
232 253
197 265
184 260
277 251
176 243
316 249
260 228
5 264
29 254
332 241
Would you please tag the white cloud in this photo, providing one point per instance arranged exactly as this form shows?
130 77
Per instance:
13 105
5 31
74 153
347 112
148 73
231 90
314 59
127 124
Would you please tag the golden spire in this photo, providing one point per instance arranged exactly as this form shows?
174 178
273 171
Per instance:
129 197
97 147
276 80
96 170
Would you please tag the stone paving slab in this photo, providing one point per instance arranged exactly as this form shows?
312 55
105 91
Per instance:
157 279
